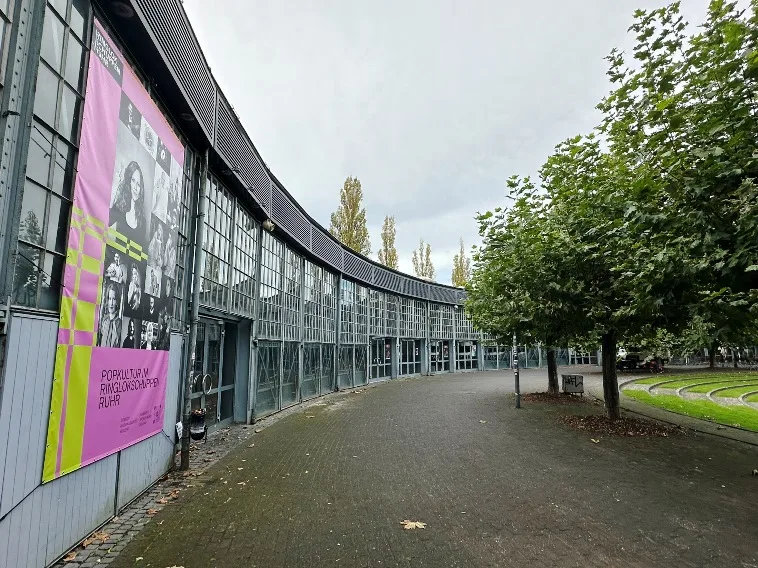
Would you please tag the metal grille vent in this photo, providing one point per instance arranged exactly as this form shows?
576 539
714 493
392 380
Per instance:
326 248
232 142
167 21
356 266
285 214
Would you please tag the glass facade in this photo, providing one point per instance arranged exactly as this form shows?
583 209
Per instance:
270 295
51 160
262 296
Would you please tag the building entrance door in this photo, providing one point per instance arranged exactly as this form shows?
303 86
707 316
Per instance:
208 391
381 358
410 357
439 356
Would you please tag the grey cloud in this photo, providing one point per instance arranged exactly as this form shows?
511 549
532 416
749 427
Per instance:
432 105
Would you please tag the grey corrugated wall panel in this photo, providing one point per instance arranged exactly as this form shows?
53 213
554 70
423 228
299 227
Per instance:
142 464
25 406
57 515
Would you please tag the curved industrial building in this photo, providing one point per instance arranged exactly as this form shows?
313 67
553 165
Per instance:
123 167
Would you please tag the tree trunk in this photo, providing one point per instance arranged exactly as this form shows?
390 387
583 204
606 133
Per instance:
712 356
610 379
552 372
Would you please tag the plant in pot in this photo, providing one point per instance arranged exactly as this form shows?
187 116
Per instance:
197 425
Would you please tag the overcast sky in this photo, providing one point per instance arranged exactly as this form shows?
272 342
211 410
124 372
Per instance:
431 104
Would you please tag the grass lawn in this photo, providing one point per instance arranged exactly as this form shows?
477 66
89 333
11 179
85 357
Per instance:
742 415
752 398
686 380
737 391
716 385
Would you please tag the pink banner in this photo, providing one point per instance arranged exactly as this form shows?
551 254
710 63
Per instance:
111 369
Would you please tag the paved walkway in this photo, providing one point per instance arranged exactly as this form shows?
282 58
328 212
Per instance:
328 485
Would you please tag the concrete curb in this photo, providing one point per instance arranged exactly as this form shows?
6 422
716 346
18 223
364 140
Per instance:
702 426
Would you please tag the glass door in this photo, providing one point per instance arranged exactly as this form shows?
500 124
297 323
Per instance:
439 356
209 350
381 358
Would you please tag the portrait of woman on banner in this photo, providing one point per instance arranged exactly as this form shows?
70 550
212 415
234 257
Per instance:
109 334
130 341
127 214
134 293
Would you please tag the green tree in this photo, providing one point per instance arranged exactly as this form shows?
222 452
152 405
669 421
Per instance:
388 252
348 223
422 261
522 281
461 268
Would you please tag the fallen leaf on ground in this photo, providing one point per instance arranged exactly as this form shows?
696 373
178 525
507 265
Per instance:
598 424
69 557
101 536
152 511
242 483
482 422
174 494
412 524
87 541
138 559
251 445
594 441
163 501
258 430
310 416
755 473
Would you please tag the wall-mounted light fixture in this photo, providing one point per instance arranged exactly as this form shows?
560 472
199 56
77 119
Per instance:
268 224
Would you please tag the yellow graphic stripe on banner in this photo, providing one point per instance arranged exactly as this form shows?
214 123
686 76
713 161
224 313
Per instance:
96 222
91 265
56 410
94 233
67 320
76 408
85 316
122 244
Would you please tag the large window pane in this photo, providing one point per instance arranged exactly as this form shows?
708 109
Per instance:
25 275
69 113
30 228
74 63
52 40
50 289
63 169
79 18
40 150
46 94
57 224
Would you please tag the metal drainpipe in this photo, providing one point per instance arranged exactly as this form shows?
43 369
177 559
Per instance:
338 339
255 329
202 210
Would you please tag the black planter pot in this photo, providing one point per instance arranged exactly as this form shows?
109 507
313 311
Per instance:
197 425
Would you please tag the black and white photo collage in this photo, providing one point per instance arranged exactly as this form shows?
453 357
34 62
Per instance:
137 295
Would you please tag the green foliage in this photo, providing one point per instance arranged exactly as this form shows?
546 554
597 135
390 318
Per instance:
646 228
461 268
422 261
348 223
388 252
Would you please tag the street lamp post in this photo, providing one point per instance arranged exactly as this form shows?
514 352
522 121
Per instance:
515 371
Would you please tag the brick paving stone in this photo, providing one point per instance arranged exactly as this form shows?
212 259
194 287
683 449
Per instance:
518 489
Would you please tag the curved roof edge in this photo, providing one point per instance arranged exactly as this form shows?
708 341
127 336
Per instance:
167 23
